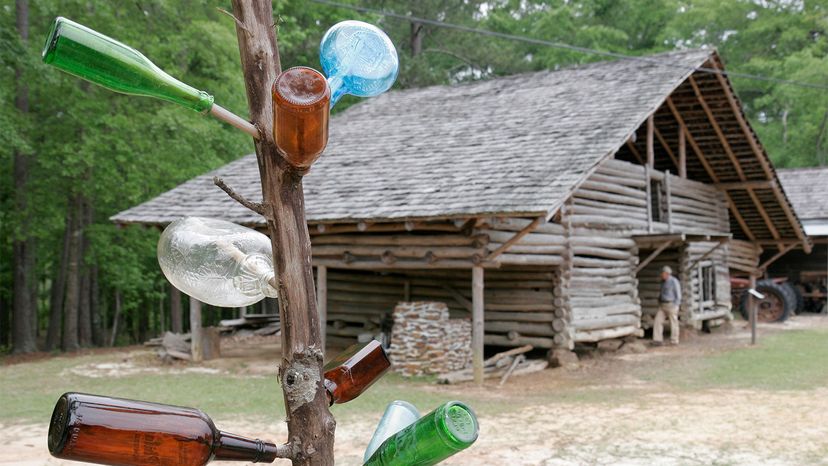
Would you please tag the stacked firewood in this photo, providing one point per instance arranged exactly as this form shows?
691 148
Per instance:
502 365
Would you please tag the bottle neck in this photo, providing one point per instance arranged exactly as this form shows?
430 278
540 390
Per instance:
231 447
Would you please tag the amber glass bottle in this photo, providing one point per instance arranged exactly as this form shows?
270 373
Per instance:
301 105
353 371
99 429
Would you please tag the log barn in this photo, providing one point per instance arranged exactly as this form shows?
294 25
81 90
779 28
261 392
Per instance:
540 205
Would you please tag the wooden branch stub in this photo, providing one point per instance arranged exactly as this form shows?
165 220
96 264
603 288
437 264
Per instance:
254 206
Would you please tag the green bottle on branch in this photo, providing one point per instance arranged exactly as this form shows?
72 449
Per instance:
102 60
449 429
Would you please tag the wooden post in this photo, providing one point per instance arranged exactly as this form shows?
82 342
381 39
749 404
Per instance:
649 189
477 324
311 426
195 330
322 300
650 142
682 153
753 310
668 194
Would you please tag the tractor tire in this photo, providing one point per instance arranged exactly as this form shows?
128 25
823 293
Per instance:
777 305
799 308
790 297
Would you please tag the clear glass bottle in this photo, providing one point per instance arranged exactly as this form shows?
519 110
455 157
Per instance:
217 262
354 370
300 115
359 59
398 415
434 437
92 56
105 430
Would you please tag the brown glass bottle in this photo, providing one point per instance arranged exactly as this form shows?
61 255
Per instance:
353 371
99 429
301 105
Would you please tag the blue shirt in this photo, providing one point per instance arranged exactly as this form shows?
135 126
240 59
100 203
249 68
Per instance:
670 291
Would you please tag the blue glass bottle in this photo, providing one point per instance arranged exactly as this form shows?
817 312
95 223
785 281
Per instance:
358 59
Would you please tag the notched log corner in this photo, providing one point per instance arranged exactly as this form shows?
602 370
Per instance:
301 378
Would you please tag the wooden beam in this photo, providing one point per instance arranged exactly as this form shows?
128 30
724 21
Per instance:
722 138
668 193
761 157
468 305
650 144
666 147
710 172
757 184
634 150
322 302
514 239
682 165
477 324
652 256
738 217
775 257
736 165
705 255
195 330
648 188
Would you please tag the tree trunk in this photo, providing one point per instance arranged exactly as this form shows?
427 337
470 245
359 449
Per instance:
416 39
310 424
114 336
70 306
95 308
59 288
84 302
24 307
4 321
175 310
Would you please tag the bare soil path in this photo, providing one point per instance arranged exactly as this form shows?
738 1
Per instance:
651 408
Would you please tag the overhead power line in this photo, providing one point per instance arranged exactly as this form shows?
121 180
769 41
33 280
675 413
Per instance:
569 47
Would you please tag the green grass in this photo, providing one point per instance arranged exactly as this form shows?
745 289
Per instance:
793 360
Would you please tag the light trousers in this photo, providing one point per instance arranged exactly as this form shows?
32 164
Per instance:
666 310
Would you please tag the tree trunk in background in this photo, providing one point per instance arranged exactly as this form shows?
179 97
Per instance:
59 289
416 39
114 336
70 306
4 321
23 335
175 310
84 302
95 308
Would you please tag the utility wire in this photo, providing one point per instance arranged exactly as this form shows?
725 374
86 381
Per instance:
572 48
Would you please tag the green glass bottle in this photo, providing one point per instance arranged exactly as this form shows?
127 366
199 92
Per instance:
441 433
90 55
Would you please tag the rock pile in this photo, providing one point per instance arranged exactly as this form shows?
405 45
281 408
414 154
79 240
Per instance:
425 341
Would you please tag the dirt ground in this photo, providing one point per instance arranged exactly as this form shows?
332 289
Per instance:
648 423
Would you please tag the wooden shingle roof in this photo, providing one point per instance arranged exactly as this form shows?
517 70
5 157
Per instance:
515 145
807 188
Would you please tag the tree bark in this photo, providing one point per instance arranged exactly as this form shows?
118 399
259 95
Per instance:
95 308
310 424
114 335
58 291
416 38
70 306
24 307
175 310
85 298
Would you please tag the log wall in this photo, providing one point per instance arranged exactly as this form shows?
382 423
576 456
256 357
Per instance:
743 256
520 303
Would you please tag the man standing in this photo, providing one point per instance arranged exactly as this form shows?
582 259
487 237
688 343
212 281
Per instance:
668 304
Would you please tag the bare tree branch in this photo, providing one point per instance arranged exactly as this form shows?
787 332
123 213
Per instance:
254 206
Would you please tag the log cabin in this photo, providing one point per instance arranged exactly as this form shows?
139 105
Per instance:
540 205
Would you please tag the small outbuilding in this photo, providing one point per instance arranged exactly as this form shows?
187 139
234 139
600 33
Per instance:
542 205
807 189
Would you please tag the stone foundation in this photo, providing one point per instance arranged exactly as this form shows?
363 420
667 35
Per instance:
425 341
